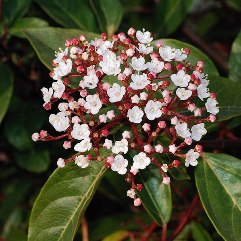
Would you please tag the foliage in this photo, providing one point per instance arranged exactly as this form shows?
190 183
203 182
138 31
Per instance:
30 33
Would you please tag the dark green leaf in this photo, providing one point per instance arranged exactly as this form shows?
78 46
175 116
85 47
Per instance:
218 178
70 14
46 41
112 14
228 96
235 60
194 56
62 201
28 22
13 10
6 89
156 196
236 4
170 15
34 161
17 235
199 233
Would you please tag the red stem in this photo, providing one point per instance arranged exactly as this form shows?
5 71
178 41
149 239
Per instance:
164 232
148 232
185 219
137 135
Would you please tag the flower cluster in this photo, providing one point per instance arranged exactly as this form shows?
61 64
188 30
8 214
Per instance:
128 103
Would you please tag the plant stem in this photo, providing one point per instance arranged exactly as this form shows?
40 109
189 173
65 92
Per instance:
185 219
164 232
84 228
148 232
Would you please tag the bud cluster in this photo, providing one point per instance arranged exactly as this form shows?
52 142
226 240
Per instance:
128 102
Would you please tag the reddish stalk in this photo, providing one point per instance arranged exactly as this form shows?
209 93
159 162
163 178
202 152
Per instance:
164 232
137 135
185 219
148 232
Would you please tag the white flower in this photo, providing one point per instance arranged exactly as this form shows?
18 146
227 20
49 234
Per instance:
108 143
60 121
179 55
183 93
64 67
180 79
93 104
135 114
198 131
143 95
135 99
58 88
191 158
153 109
138 63
63 106
155 65
60 55
159 148
203 79
145 49
110 65
61 163
182 130
74 51
80 132
116 93
81 161
126 135
110 114
47 94
83 146
139 81
131 193
164 167
141 161
211 106
120 146
202 91
144 37
166 53
172 148
90 80
174 120
119 164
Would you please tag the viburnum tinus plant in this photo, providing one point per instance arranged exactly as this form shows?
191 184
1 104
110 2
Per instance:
127 83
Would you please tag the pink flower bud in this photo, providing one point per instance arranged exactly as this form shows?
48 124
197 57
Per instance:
43 133
75 120
122 36
167 66
89 157
176 163
213 95
110 114
131 31
67 145
130 52
166 180
68 42
154 55
146 127
104 36
197 112
200 64
188 141
159 44
162 124
35 136
198 148
105 132
147 148
121 77
127 71
83 93
47 106
103 118
191 107
212 118
139 187
126 135
82 38
167 99
137 202
110 159
105 86
172 148
115 37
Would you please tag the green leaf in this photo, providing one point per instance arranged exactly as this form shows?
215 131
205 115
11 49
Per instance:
218 178
6 89
117 236
236 4
170 15
108 15
28 22
36 161
199 233
17 235
70 14
228 96
194 56
62 201
235 59
46 41
13 10
156 196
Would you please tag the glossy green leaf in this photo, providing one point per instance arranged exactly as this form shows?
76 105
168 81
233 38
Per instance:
170 15
228 96
235 59
117 236
13 10
6 89
156 196
218 178
46 41
194 56
70 14
108 15
28 22
199 233
36 161
62 201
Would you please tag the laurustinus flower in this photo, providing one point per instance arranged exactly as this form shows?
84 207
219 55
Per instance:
125 102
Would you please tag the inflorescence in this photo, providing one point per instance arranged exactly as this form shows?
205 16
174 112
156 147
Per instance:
128 103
